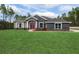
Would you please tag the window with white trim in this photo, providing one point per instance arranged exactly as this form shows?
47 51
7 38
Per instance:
41 24
58 25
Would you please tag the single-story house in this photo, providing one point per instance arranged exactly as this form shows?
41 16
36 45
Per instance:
42 22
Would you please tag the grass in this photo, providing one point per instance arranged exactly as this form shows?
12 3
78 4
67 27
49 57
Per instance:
21 41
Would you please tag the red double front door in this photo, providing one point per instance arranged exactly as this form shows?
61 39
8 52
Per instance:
31 24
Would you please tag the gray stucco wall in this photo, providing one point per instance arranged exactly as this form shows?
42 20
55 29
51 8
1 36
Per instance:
41 20
50 26
16 24
38 24
65 26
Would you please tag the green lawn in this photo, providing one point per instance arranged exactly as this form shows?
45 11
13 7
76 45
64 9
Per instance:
21 41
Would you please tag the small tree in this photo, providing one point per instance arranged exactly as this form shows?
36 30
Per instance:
10 12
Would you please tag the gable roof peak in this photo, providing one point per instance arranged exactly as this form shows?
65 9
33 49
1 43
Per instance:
38 16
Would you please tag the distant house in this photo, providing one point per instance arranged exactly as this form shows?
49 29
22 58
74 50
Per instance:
42 23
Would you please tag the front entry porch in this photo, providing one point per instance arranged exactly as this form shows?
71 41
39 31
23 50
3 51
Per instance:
31 25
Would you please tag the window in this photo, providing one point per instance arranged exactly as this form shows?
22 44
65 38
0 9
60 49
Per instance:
41 25
58 26
20 25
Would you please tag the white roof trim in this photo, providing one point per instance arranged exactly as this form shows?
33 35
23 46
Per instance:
42 17
32 17
62 22
35 17
66 22
58 22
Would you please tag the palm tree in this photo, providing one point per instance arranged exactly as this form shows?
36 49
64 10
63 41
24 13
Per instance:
16 17
76 15
10 13
3 10
63 15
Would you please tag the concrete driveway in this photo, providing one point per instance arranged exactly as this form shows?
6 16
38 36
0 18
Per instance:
74 29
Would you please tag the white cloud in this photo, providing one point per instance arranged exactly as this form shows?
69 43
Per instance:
66 8
50 5
23 11
39 2
49 14
36 7
39 11
16 9
43 6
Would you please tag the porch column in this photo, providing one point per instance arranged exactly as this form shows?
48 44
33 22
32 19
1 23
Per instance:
35 24
27 24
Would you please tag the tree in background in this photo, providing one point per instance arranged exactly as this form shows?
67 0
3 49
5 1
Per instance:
23 17
58 17
77 16
64 16
3 11
7 12
19 17
72 16
16 17
10 13
28 14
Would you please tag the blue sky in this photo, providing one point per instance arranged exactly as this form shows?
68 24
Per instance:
43 9
52 10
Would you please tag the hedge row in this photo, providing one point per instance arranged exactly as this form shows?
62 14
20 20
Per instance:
6 25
